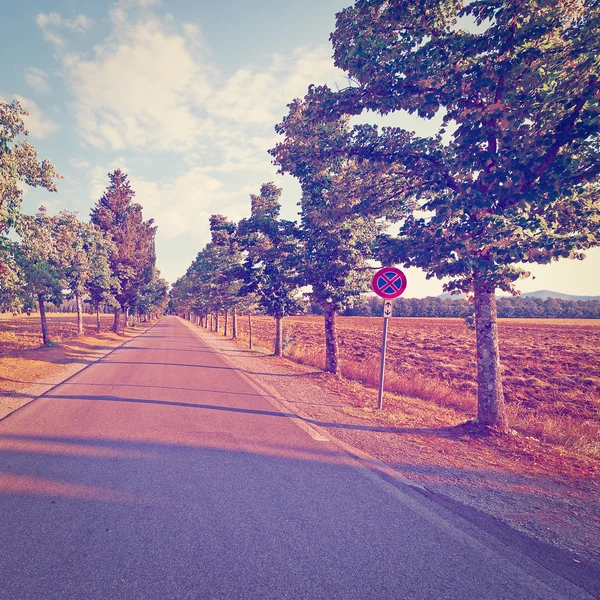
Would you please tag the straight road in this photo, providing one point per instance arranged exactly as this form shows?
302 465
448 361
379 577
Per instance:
160 472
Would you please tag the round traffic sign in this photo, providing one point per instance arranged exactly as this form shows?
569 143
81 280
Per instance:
389 282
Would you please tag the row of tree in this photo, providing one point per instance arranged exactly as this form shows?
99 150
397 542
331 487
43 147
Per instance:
511 176
270 263
109 261
517 307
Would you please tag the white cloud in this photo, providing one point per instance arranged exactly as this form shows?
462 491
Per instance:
79 163
259 97
150 86
38 125
37 79
49 22
179 205
183 204
141 90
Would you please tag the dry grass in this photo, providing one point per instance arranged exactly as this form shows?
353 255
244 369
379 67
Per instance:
551 371
24 361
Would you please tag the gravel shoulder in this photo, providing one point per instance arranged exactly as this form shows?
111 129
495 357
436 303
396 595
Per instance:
532 488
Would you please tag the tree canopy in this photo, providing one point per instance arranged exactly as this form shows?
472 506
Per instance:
511 174
133 261
18 163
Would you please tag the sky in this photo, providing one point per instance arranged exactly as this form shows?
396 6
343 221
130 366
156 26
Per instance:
183 96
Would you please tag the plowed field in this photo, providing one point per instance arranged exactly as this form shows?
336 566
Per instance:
550 367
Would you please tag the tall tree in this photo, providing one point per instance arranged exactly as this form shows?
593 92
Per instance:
133 262
39 262
336 229
223 253
82 252
511 176
271 269
153 297
101 285
18 165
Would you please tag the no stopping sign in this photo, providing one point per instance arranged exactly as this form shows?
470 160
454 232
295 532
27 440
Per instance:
389 282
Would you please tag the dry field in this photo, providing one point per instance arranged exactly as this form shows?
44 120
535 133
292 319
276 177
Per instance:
22 331
23 359
551 367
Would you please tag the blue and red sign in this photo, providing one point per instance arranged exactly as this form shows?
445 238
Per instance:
389 282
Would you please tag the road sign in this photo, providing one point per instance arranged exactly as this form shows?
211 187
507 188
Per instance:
389 282
388 308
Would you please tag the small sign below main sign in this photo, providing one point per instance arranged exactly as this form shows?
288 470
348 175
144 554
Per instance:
388 309
389 282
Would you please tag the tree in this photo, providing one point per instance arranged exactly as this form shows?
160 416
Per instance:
78 248
512 174
11 277
336 230
18 164
153 297
101 285
273 257
224 258
38 260
134 259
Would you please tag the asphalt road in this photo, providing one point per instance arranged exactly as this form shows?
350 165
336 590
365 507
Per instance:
160 472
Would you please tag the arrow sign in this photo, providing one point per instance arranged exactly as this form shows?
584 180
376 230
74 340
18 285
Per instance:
388 306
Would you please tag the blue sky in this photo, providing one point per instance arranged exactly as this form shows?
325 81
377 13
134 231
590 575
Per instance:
184 97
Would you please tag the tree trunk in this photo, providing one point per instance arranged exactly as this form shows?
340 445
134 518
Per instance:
116 320
126 321
79 313
98 318
490 397
234 325
278 335
217 322
331 341
226 322
45 336
250 330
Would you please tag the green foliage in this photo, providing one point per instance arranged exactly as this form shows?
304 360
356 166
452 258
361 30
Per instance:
133 260
337 229
18 164
153 297
37 256
271 268
512 175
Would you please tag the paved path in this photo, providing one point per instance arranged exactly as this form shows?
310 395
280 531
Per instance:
160 472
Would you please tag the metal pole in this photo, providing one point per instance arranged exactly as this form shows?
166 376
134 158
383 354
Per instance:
382 370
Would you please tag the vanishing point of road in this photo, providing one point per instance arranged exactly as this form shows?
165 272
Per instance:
162 472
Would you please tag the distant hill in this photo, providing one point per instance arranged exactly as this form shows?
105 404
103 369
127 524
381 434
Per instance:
543 294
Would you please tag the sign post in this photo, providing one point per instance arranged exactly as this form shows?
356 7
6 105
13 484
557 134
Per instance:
387 283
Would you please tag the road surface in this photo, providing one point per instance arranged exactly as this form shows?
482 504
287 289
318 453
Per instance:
161 472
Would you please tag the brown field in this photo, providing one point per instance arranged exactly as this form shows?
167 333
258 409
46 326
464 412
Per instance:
22 331
23 359
551 367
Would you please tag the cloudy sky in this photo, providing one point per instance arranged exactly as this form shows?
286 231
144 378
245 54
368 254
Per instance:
184 97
